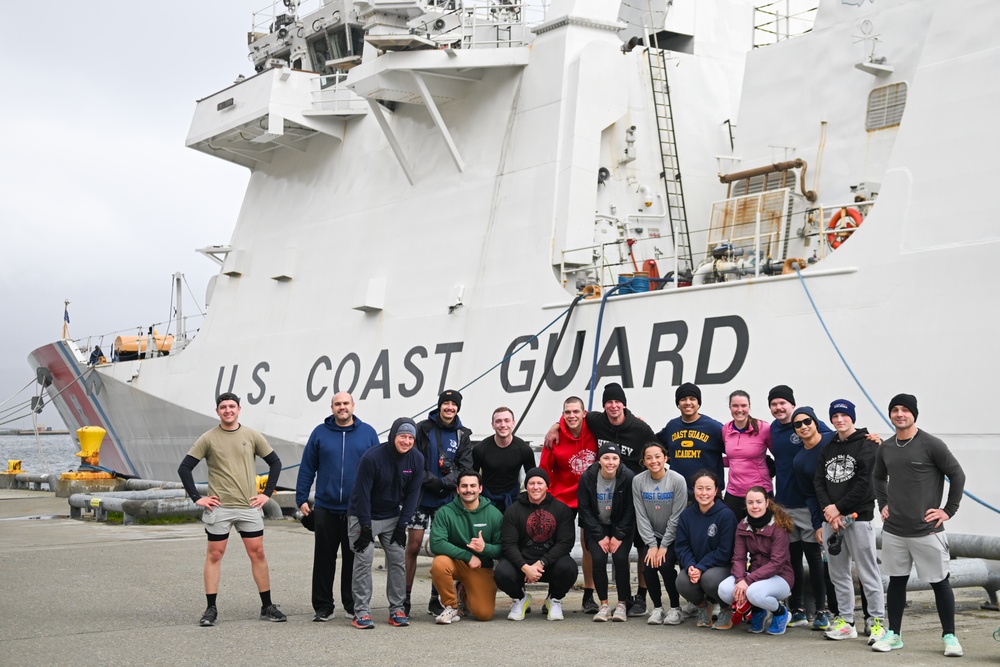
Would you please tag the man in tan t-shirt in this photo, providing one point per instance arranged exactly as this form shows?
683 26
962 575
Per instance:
230 450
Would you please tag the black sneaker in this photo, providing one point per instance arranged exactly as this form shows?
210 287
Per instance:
272 613
406 605
209 617
638 606
589 604
323 616
434 607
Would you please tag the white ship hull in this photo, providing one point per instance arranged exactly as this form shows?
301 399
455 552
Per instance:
344 275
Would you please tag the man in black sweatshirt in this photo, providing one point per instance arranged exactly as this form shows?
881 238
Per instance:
537 536
846 497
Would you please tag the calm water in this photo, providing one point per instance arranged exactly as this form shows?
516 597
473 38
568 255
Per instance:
51 453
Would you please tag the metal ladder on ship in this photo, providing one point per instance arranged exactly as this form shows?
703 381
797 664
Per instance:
670 161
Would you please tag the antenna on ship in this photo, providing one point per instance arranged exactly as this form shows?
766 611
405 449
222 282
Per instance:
65 319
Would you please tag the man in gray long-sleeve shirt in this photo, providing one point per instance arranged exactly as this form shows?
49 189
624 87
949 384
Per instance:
916 462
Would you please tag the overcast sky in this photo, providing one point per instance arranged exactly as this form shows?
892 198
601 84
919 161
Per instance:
100 201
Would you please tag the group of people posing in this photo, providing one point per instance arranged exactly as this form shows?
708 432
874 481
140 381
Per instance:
795 489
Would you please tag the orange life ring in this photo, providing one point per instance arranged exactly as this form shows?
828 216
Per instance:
835 238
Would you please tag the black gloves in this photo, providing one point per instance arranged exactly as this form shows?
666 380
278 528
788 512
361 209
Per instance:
364 539
399 536
433 484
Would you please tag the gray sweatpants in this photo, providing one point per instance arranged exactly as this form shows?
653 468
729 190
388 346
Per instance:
395 566
858 544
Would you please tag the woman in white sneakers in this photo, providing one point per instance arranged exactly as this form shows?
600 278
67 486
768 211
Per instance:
660 496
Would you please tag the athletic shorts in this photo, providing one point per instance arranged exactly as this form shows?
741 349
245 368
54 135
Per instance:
929 553
802 530
422 518
249 522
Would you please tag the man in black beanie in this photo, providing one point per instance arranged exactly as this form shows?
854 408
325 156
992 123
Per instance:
537 535
447 449
910 468
693 440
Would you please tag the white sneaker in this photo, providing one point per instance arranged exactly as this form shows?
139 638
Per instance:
674 616
603 614
657 617
621 613
448 616
689 610
518 608
553 609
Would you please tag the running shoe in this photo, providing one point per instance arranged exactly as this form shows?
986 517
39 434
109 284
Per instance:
621 613
399 619
209 618
448 616
519 607
434 606
674 616
603 614
868 626
890 642
589 604
799 619
657 617
638 607
841 629
757 621
725 620
553 609
323 616
363 622
778 623
822 621
704 617
952 648
273 614
877 631
689 610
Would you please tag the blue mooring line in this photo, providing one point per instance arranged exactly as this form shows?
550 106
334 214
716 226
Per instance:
861 386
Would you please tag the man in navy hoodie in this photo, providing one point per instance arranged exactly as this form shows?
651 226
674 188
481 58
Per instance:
331 459
384 497
447 449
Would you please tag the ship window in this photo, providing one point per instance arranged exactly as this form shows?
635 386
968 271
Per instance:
331 45
885 106
357 36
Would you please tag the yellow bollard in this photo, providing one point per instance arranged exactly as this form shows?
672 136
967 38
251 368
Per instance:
90 438
13 467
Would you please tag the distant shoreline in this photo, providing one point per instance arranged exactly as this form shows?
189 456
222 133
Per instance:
28 431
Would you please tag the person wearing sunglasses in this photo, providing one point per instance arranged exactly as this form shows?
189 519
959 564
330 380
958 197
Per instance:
785 444
806 427
844 489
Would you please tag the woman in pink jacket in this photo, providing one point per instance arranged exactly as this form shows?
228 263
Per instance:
747 441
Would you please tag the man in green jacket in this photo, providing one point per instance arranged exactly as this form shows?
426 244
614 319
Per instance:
465 538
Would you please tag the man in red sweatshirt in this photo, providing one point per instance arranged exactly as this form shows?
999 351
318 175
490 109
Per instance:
565 462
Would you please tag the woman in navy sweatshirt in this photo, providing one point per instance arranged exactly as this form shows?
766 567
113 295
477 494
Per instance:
705 535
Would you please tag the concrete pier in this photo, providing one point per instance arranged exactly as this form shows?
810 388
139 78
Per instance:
87 593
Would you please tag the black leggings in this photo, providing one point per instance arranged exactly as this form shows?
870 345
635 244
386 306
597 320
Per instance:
814 556
668 570
944 600
619 560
